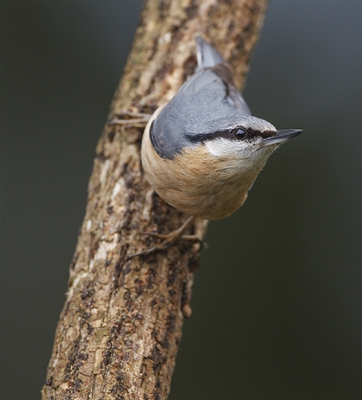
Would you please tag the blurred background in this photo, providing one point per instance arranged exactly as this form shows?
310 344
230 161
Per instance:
277 300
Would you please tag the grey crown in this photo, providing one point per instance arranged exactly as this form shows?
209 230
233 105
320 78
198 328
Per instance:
207 102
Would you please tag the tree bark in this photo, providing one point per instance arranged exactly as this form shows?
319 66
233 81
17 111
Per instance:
120 327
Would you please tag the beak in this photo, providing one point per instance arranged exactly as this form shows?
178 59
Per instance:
282 136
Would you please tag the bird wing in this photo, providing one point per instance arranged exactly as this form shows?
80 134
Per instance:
217 79
207 96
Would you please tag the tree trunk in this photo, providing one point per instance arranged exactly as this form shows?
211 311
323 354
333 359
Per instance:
120 327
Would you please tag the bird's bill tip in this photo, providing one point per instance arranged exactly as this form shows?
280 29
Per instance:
282 136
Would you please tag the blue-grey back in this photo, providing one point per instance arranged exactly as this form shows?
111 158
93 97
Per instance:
208 100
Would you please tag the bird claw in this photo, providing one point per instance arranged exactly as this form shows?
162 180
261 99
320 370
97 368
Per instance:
142 253
166 244
156 235
125 117
168 240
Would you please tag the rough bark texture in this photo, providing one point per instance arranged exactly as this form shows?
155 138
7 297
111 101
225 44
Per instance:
120 327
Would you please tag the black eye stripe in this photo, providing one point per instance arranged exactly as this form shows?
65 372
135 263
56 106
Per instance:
238 133
202 137
267 134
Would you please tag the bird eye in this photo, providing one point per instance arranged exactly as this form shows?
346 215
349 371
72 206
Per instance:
239 133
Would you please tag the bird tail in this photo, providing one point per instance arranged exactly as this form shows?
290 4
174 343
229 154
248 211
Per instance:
207 55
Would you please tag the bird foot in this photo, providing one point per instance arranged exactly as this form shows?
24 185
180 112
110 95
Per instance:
168 240
172 236
138 120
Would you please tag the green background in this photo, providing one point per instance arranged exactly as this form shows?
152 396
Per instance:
277 300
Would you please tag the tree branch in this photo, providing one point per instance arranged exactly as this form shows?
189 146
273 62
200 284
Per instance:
120 327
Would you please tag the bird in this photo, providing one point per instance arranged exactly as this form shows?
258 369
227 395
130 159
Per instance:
203 150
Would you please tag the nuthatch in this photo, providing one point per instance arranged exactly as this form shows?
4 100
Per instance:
203 150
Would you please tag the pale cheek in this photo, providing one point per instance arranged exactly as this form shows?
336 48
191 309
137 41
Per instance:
246 154
214 150
226 148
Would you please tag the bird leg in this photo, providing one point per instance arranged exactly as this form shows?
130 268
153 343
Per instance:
168 240
125 117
